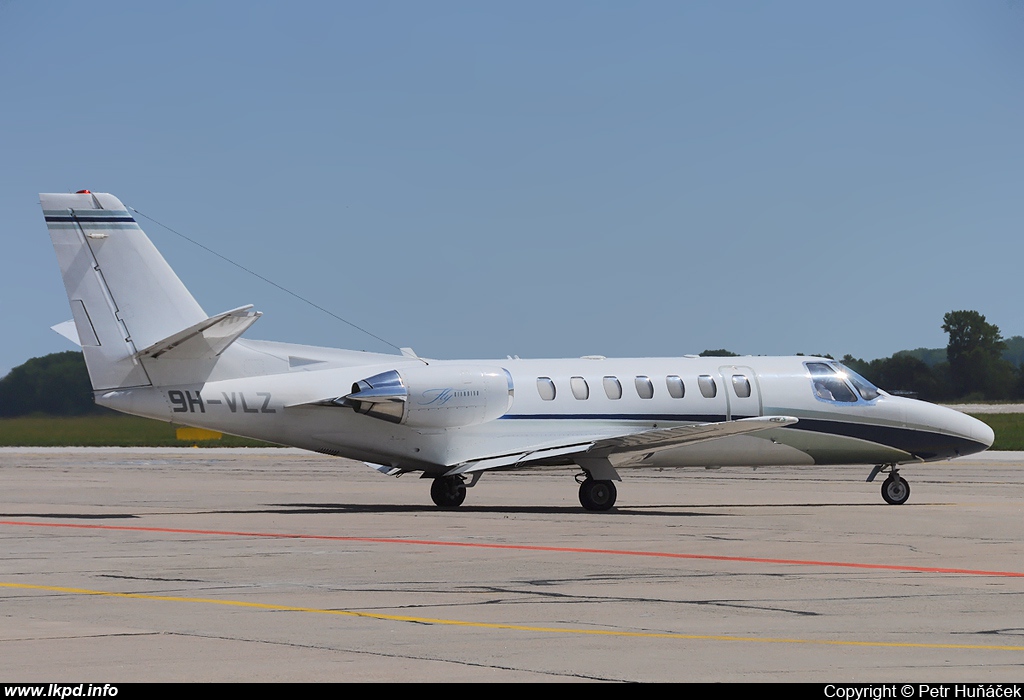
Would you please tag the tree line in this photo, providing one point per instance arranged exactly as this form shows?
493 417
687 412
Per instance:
55 385
978 364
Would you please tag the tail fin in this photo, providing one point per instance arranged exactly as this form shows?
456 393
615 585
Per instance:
124 296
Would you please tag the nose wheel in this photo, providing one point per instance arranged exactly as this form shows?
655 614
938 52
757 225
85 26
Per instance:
895 490
596 494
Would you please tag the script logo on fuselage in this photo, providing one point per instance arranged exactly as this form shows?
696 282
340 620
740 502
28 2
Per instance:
436 397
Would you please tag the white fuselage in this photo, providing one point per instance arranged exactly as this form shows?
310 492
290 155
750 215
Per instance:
609 399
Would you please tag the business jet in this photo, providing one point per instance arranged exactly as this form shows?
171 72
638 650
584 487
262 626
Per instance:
152 351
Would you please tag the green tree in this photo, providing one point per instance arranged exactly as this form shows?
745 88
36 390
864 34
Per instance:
721 352
975 350
905 373
56 384
900 374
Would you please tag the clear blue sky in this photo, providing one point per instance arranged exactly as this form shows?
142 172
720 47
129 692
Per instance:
476 179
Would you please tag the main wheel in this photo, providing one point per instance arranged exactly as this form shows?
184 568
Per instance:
597 495
895 491
448 492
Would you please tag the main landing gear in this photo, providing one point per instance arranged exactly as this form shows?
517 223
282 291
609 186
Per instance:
895 489
597 494
448 491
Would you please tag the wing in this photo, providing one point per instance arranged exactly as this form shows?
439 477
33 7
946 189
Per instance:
625 448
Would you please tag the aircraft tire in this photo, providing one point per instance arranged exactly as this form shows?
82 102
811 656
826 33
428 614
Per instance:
596 494
895 491
448 492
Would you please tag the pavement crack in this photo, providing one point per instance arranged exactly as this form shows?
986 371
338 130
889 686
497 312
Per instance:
103 635
152 578
391 655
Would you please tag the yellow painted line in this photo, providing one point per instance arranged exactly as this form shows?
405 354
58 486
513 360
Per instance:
505 626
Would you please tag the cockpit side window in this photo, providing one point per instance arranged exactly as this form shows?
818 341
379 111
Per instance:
829 385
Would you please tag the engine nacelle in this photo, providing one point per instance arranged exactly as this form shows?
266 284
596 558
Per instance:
429 396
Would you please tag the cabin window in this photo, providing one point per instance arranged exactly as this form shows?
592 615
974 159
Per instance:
579 387
675 386
708 388
612 388
546 388
741 385
644 387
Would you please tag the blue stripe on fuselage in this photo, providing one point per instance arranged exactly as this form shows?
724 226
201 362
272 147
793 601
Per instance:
922 444
644 417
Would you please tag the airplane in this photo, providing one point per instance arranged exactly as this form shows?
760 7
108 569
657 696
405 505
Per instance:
152 351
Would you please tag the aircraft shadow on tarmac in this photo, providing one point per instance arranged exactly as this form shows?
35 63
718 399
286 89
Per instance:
681 510
72 516
659 510
369 508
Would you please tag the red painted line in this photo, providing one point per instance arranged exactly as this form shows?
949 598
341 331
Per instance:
525 548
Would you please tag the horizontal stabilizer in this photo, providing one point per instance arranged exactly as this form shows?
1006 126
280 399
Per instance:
68 330
207 338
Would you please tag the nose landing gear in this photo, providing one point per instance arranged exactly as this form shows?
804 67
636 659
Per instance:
895 489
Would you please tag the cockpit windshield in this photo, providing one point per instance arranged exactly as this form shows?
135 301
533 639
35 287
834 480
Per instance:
838 384
867 390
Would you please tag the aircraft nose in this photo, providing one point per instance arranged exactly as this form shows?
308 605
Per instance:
982 433
974 435
968 428
953 433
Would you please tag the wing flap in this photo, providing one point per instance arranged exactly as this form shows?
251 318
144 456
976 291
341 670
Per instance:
623 448
518 459
661 439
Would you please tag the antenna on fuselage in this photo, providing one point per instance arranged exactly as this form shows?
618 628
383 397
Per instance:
278 286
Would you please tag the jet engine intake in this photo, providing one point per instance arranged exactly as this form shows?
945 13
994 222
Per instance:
382 396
